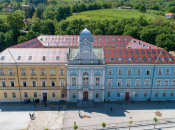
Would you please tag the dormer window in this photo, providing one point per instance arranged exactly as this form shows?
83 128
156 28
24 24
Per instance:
44 58
129 59
30 57
85 53
149 59
119 59
19 57
169 59
2 58
57 57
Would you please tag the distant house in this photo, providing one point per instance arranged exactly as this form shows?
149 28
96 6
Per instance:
169 16
121 7
9 9
128 7
24 7
26 21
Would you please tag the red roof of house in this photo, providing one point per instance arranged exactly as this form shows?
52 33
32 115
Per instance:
169 14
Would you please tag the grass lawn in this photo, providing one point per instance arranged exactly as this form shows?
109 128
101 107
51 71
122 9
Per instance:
111 14
3 16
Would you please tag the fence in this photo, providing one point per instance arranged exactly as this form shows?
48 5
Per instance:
123 124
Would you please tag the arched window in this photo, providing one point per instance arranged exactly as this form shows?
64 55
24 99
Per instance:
85 53
85 78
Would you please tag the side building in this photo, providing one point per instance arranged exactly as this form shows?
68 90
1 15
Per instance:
33 73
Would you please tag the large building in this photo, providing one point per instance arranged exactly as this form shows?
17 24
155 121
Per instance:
86 67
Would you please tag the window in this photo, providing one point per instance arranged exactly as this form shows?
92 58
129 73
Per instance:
52 72
166 83
108 94
53 94
119 83
160 71
10 72
5 94
164 94
61 72
24 83
97 81
25 94
62 83
57 57
19 57
74 81
120 71
52 83
129 71
137 82
44 58
136 94
2 72
13 94
158 82
147 82
173 83
34 94
33 72
30 57
34 84
172 94
23 72
156 94
43 72
85 55
128 83
118 94
109 82
3 83
62 94
2 58
148 71
167 71
97 95
74 95
12 83
43 83
145 94
138 71
85 78
109 71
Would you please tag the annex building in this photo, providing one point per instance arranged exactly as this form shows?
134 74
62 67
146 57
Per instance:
86 67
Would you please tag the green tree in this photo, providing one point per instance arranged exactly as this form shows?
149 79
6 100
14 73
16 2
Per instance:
21 39
132 31
48 27
39 12
15 20
142 20
75 127
5 5
155 7
155 120
142 8
130 122
103 125
30 35
2 38
172 9
158 21
29 12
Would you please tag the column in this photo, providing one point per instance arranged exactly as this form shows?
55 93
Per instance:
103 79
79 76
80 95
68 96
68 77
102 96
91 79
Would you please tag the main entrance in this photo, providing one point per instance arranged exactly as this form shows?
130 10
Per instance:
126 95
85 95
44 96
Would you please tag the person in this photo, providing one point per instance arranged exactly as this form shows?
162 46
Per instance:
33 115
58 107
53 106
111 108
30 115
79 113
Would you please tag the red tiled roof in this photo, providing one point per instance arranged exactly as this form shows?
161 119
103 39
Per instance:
137 56
169 14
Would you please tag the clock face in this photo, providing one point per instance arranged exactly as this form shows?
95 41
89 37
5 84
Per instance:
85 42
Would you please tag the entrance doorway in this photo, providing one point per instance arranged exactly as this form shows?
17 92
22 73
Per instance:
44 96
85 95
126 95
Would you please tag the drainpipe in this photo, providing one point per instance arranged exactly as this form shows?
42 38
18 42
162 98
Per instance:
17 74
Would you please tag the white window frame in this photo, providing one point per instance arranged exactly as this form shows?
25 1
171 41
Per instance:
136 82
86 79
172 94
164 94
74 95
53 93
33 72
12 94
119 71
34 94
32 83
23 84
45 83
118 94
24 95
157 93
108 94
129 81
172 82
98 81
128 71
119 80
136 94
61 71
2 72
161 72
158 80
52 71
73 77
63 94
97 97
109 80
52 80
148 82
12 81
145 94
23 72
6 94
10 70
140 71
109 71
167 83
169 71
63 82
5 83
43 72
148 69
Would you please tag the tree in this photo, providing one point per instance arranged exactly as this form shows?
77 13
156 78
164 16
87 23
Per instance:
155 120
31 35
142 20
5 5
15 20
158 21
103 125
171 9
142 8
155 7
130 122
75 127
29 12
2 38
172 24
39 12
21 39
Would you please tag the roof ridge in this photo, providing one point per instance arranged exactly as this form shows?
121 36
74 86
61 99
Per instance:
12 56
159 55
